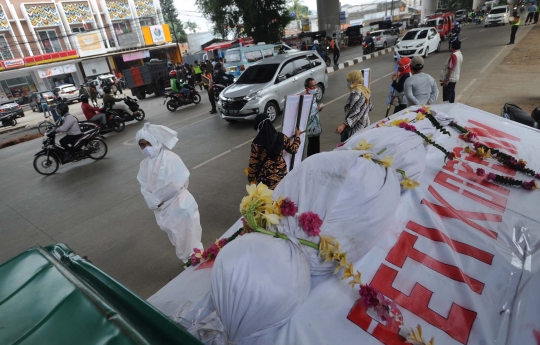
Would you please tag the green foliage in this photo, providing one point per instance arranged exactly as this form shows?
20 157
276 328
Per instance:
170 15
302 11
192 26
264 20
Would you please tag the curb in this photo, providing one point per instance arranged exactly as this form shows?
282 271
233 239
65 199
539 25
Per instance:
358 60
13 129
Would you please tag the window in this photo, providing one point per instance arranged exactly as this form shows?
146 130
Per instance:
315 60
120 28
301 65
78 29
145 21
268 52
253 56
287 70
232 56
5 51
258 74
50 41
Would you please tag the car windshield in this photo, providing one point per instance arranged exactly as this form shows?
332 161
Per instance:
460 12
415 35
375 34
232 56
258 74
432 23
497 10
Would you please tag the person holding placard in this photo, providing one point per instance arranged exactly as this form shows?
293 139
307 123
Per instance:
266 163
357 107
313 129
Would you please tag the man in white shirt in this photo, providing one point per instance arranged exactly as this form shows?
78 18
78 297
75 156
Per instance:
450 74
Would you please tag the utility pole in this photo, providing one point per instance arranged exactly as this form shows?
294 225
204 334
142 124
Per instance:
175 37
386 8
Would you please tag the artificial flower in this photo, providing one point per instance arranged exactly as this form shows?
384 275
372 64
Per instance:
356 279
271 218
368 296
310 223
348 272
531 185
367 156
415 337
196 256
342 263
420 116
480 172
467 149
288 207
409 184
363 145
387 161
491 176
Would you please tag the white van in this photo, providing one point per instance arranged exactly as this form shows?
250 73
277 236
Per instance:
238 59
498 16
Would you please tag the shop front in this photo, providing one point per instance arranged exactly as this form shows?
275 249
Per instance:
59 75
17 89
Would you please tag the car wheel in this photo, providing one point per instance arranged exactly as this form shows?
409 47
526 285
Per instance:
426 53
320 92
438 47
271 110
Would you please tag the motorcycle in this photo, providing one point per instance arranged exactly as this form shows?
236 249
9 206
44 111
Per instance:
453 37
178 99
90 145
133 105
114 123
217 88
8 120
368 48
515 113
326 57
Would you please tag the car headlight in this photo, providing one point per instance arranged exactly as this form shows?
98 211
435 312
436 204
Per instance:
420 45
252 96
221 98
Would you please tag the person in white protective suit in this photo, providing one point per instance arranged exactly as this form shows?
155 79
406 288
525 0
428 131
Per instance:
164 181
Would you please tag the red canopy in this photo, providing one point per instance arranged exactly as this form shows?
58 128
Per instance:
220 45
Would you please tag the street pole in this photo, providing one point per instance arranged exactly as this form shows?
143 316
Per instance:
179 53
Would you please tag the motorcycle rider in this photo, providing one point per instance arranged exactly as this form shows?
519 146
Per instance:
70 126
369 41
178 85
93 113
220 77
109 99
456 30
317 47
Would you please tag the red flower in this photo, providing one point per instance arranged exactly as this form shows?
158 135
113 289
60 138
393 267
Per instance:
340 144
451 155
368 295
213 250
421 110
537 176
476 145
491 176
222 243
480 172
288 207
196 259
310 223
529 185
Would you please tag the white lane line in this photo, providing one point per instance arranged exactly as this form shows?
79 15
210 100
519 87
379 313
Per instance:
345 95
464 39
492 60
211 159
187 118
482 30
465 89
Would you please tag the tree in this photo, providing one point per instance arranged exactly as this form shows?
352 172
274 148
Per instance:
170 16
264 20
301 11
192 26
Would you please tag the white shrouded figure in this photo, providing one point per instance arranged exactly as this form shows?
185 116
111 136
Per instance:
164 181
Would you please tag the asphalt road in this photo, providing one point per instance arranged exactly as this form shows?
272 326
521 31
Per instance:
96 207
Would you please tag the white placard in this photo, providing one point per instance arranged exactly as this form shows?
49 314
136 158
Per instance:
290 119
158 35
366 72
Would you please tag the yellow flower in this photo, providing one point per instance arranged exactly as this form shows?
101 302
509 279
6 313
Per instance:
480 152
363 145
415 337
271 218
388 161
356 279
260 192
244 204
488 154
522 161
407 111
367 156
409 184
420 116
467 149
342 263
328 253
397 122
428 109
348 272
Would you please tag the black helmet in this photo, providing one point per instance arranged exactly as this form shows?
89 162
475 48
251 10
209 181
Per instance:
218 66
107 89
62 108
84 98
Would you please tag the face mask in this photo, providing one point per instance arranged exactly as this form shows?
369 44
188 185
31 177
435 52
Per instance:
349 84
313 92
148 151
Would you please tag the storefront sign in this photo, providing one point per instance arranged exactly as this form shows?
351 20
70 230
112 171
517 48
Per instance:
56 70
158 35
14 63
52 57
90 44
136 56
70 68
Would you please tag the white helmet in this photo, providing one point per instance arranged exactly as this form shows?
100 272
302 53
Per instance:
316 42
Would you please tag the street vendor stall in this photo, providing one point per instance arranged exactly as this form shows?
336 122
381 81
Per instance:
423 227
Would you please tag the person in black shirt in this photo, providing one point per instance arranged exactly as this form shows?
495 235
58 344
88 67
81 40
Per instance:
398 81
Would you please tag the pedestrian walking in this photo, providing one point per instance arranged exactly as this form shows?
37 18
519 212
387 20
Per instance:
420 88
313 128
160 83
118 84
266 163
450 73
514 25
357 107
164 181
536 14
83 90
530 15
334 45
93 93
398 82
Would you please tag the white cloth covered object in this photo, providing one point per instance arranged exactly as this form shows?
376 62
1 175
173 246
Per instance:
164 180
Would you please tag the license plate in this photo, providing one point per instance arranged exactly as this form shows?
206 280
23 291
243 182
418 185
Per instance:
231 112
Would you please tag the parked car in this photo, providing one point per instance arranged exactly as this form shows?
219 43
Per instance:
418 42
384 38
262 88
461 16
35 100
11 107
68 92
498 16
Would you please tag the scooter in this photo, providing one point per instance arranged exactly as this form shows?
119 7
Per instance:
178 100
133 105
114 123
326 57
8 120
90 145
453 36
515 113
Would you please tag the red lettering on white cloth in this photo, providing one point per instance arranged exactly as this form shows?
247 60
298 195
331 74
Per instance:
494 137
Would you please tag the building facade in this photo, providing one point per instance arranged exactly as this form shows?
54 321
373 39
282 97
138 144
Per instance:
48 43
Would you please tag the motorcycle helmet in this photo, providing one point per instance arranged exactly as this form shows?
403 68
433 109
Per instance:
456 24
172 74
218 66
62 109
107 89
84 98
316 42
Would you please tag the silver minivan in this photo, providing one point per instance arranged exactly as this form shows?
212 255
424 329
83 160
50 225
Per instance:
263 86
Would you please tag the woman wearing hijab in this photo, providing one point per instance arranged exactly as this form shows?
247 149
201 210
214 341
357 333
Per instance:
357 107
164 181
266 163
404 72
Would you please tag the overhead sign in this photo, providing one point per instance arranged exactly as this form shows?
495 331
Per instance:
13 63
57 70
90 44
136 56
342 17
158 35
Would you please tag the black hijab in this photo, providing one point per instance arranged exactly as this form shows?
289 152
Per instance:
266 135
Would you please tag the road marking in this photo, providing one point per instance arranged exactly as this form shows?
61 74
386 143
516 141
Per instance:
465 89
492 60
464 39
187 118
482 30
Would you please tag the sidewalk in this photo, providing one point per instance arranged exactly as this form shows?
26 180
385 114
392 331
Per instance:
514 80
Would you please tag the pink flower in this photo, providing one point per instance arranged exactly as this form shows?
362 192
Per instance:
213 251
204 255
421 110
403 124
310 223
368 295
491 176
480 172
384 313
410 128
477 145
531 185
222 242
537 176
471 137
196 259
451 155
288 207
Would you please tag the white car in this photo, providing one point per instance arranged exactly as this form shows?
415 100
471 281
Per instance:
418 42
68 92
498 16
